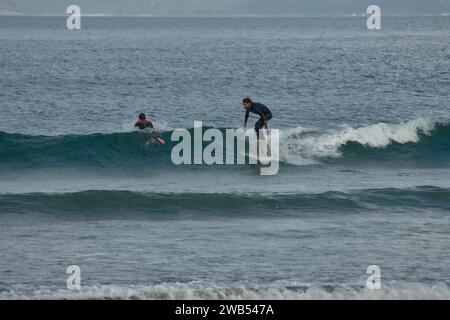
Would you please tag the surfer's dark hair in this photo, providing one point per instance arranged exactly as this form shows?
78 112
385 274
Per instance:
142 116
247 100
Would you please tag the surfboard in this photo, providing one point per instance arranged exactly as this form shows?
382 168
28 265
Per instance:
157 139
255 157
265 146
160 140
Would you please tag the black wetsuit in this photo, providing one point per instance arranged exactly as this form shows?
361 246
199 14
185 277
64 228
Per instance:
262 111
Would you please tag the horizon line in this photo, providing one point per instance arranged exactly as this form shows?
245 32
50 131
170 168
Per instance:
349 15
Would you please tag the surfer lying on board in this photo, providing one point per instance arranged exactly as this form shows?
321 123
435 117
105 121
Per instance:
259 109
143 123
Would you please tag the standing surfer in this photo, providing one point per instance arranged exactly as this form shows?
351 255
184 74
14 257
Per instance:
258 108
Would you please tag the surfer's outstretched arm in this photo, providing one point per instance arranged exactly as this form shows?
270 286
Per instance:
247 114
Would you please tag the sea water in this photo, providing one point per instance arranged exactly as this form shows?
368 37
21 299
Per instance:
364 177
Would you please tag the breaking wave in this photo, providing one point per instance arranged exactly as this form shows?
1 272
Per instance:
212 291
420 140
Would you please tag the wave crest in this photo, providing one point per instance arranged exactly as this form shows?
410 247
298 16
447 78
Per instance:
298 146
119 202
212 291
304 147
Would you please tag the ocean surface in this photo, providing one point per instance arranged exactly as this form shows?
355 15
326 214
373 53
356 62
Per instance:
364 177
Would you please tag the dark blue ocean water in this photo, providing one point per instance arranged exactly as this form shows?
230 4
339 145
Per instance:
364 177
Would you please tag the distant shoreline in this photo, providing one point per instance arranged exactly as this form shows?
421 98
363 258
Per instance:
353 15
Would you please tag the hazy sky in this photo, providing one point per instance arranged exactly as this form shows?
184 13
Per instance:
225 7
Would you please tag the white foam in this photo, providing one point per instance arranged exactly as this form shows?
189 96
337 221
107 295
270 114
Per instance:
162 126
301 146
212 291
